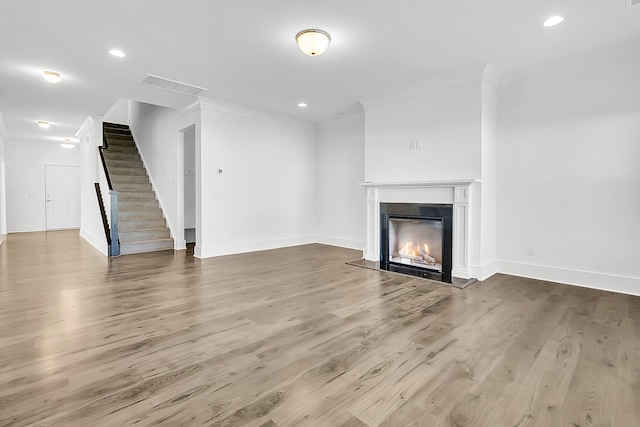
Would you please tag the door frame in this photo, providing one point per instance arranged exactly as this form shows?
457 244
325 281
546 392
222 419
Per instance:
181 242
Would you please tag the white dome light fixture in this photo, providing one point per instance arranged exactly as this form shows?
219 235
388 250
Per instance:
67 143
52 77
313 42
43 125
553 21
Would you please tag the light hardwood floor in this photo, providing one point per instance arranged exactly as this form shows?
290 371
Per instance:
296 337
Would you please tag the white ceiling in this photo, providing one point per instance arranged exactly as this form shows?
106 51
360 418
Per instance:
244 51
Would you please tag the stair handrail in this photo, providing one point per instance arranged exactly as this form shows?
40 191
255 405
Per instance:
113 239
101 148
103 215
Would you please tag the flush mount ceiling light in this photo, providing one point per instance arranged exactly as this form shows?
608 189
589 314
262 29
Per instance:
67 143
52 77
43 125
553 21
302 105
117 53
313 42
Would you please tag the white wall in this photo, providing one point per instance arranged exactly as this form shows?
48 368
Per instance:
488 188
568 172
92 171
340 202
120 112
25 181
447 121
265 196
156 132
3 187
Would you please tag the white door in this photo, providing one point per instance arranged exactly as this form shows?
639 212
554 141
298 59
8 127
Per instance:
62 190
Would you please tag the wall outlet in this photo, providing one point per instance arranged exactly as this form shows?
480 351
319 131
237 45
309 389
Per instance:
412 145
219 171
531 251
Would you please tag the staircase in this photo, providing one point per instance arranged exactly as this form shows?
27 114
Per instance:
141 225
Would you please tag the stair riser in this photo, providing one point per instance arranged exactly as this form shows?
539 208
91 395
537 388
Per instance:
127 171
123 164
115 125
139 247
114 155
139 215
111 142
116 131
128 204
142 235
125 149
136 195
129 179
118 186
113 138
135 225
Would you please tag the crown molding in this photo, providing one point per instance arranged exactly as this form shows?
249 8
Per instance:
210 104
189 107
341 119
621 53
438 83
492 75
488 72
88 124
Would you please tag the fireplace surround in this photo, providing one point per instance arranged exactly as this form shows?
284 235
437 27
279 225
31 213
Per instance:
463 196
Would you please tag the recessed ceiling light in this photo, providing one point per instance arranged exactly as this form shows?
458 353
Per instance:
552 21
67 143
117 53
52 77
43 125
302 105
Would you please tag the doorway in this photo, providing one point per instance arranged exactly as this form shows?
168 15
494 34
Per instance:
62 190
189 138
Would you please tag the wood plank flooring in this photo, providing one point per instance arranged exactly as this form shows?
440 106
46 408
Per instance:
294 337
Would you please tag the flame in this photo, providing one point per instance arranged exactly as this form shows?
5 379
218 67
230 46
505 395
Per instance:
409 249
426 249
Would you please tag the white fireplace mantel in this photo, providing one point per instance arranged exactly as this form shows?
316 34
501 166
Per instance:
410 184
459 193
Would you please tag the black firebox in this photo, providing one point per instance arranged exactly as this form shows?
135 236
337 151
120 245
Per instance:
417 239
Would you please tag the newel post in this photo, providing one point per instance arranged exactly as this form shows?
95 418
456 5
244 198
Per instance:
115 243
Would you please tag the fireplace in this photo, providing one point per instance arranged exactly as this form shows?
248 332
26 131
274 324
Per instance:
416 239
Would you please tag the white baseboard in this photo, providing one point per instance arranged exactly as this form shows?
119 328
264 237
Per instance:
96 242
244 247
341 242
587 279
179 245
483 272
25 229
1 238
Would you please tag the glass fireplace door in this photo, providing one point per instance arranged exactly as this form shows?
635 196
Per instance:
416 242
